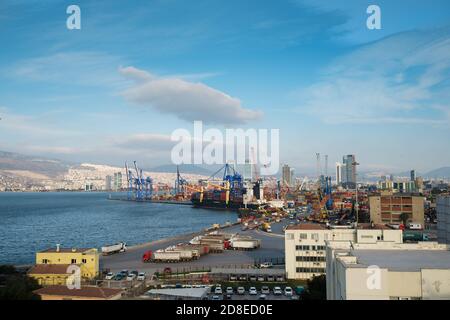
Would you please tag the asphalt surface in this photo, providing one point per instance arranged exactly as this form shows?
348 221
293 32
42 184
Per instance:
272 246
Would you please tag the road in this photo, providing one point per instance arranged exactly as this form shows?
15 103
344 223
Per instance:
272 246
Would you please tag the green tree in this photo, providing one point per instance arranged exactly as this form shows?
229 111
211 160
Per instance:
16 285
316 289
404 217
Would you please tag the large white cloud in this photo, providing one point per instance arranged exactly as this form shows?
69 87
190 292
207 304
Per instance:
187 100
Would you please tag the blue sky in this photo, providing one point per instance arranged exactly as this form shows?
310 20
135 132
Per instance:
136 71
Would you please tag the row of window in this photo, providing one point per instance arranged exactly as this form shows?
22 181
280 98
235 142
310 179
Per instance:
73 261
310 270
309 248
314 236
310 259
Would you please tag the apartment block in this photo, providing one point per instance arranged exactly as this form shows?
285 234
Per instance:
388 208
443 219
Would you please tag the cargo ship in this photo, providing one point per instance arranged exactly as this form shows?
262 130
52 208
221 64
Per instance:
231 199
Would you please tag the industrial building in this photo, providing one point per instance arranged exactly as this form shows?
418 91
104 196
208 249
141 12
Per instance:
443 219
387 271
387 208
52 265
305 245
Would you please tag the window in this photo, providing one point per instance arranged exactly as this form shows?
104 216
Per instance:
83 260
74 261
289 236
315 236
303 236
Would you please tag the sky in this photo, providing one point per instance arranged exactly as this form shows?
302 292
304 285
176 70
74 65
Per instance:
116 89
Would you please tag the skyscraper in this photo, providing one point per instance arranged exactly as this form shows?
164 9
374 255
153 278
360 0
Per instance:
117 181
349 171
287 176
247 170
108 183
338 173
413 175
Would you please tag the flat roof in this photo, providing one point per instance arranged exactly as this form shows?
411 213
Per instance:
318 226
180 292
307 226
402 260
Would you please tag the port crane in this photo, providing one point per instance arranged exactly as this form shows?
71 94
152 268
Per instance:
139 188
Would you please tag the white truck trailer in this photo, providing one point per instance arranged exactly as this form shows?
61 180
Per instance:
115 248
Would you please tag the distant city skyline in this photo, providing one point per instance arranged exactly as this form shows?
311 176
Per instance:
116 89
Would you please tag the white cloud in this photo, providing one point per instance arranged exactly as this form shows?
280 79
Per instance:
187 100
401 79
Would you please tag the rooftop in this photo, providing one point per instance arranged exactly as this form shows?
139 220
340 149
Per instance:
402 260
66 250
49 269
318 226
84 292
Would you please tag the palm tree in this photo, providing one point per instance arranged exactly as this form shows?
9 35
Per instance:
404 217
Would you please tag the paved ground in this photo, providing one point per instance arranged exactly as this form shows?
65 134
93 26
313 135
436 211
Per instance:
272 246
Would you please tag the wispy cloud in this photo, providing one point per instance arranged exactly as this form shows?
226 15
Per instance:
402 79
187 100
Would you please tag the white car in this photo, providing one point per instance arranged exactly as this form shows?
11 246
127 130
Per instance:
131 277
288 292
229 290
241 290
265 290
277 291
253 291
141 276
218 290
266 265
109 276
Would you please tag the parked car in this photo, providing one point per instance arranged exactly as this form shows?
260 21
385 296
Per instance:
262 297
241 290
243 278
118 277
215 297
252 291
141 276
277 291
218 290
229 290
266 265
299 290
233 278
288 292
131 277
280 279
124 273
252 278
265 290
270 278
135 273
109 276
261 278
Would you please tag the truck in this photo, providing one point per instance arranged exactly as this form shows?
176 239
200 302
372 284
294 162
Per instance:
409 236
172 254
245 244
115 248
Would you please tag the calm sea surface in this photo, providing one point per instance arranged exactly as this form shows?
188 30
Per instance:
30 222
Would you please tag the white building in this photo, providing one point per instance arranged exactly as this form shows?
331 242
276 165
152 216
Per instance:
338 173
443 219
305 250
387 271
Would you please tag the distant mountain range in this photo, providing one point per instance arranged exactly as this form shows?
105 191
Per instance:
443 172
10 161
52 168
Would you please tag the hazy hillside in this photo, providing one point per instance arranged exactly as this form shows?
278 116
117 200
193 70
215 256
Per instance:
443 172
15 162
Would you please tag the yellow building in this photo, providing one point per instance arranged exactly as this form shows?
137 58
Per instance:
52 265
